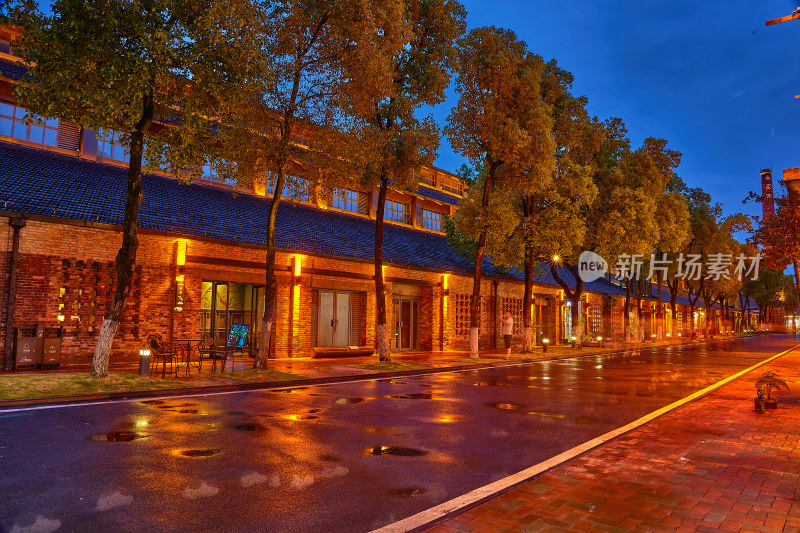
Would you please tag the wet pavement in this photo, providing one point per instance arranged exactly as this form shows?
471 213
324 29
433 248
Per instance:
341 457
713 464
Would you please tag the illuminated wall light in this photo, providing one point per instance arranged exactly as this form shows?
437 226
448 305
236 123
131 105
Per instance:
180 259
297 269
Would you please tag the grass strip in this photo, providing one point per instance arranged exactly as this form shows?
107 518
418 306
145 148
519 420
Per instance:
53 384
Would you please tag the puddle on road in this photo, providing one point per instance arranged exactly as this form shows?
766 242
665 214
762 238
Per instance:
447 419
290 391
205 452
395 450
584 420
407 492
382 431
250 427
504 406
485 383
152 402
392 381
235 413
546 414
295 418
415 396
188 411
348 401
118 436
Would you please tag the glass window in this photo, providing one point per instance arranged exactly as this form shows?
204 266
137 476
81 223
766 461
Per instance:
431 220
345 199
294 187
397 212
109 145
13 124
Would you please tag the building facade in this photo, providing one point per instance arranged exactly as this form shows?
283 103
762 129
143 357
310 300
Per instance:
201 259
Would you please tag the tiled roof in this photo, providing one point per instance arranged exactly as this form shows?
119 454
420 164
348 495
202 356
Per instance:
11 70
436 194
46 183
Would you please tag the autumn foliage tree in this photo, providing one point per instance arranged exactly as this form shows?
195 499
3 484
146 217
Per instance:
279 128
126 66
416 52
547 208
778 234
502 125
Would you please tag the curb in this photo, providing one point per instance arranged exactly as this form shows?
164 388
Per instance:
244 386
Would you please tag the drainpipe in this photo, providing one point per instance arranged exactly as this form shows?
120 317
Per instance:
17 224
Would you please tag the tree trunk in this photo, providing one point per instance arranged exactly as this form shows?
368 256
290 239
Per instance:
475 303
126 256
639 311
660 326
527 302
271 281
626 318
796 266
381 331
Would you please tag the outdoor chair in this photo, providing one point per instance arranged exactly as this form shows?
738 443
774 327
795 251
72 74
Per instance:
162 351
208 350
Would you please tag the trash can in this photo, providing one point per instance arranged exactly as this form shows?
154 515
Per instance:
51 346
27 344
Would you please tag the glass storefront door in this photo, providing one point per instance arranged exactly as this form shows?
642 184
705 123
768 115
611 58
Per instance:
334 319
224 303
404 332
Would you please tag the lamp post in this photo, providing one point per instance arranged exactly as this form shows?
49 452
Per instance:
144 362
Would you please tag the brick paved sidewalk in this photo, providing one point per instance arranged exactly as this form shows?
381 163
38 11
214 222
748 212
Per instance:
711 465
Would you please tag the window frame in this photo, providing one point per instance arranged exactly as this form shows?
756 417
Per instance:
23 130
345 199
393 214
428 221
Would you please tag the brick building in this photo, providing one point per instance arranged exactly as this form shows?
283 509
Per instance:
200 265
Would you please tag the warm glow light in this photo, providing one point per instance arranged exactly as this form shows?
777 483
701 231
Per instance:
298 265
556 258
445 278
599 338
61 318
181 257
545 341
144 353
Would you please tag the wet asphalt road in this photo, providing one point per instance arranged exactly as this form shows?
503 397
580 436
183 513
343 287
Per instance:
344 457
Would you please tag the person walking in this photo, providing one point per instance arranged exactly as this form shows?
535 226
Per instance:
508 328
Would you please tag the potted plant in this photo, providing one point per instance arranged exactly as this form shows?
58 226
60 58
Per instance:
761 397
767 383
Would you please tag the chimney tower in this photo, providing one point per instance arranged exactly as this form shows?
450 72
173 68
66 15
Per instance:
767 197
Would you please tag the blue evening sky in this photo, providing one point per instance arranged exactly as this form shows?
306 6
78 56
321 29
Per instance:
709 77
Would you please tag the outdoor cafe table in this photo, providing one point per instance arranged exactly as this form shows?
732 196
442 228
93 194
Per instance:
186 346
